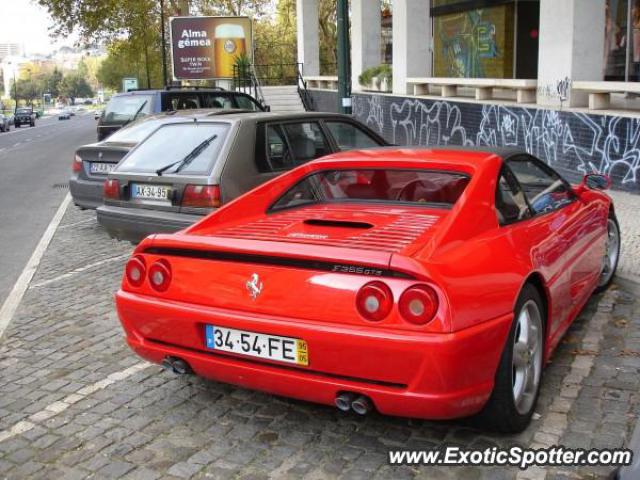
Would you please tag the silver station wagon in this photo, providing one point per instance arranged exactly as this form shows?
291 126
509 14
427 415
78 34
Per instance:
92 163
187 168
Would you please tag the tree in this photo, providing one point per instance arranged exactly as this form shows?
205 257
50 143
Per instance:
74 86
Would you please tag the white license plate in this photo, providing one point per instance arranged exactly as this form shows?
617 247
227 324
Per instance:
272 347
141 191
97 167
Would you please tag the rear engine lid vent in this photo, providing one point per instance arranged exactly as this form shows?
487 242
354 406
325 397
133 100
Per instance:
337 223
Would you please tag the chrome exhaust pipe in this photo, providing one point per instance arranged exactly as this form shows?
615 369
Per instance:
362 405
176 365
344 400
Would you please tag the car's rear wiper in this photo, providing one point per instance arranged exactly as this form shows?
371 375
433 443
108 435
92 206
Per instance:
136 115
189 157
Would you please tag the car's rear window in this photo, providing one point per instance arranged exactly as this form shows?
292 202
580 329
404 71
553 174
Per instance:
135 132
172 143
429 187
126 108
24 110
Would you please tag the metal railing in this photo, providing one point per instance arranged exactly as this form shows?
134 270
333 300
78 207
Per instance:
250 78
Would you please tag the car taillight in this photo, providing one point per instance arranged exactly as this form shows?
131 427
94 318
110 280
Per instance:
418 304
111 189
77 164
201 196
135 271
374 301
160 275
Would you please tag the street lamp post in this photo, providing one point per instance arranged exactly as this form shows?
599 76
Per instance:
164 46
344 72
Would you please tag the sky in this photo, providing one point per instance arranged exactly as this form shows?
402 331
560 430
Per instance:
25 22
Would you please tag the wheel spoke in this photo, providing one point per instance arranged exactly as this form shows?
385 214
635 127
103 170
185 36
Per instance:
520 355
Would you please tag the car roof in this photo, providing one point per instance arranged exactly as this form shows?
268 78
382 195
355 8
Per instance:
468 157
181 90
238 115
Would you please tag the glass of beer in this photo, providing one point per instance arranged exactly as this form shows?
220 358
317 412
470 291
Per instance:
229 43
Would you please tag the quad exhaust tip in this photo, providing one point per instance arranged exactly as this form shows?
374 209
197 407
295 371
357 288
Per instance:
360 404
176 365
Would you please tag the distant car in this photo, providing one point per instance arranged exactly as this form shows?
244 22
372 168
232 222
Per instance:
64 115
424 283
4 123
25 116
124 108
92 163
188 168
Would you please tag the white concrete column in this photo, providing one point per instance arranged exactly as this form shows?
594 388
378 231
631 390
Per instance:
411 42
308 36
366 37
571 46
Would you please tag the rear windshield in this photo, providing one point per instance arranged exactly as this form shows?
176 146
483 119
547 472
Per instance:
420 187
136 132
127 108
172 143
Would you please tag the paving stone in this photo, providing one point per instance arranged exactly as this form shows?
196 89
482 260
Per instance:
155 425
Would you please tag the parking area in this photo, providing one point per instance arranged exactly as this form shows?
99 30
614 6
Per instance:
76 401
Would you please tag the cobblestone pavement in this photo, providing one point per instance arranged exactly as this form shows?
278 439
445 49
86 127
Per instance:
627 205
76 403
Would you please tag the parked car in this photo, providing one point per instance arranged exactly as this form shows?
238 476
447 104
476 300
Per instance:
164 185
4 123
64 114
24 116
92 163
418 282
124 108
97 114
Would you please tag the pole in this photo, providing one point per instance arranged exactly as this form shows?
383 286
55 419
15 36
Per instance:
344 71
164 45
15 90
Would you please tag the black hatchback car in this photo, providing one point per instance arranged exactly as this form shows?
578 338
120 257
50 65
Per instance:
124 108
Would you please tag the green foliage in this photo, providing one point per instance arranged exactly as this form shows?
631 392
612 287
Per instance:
73 86
375 74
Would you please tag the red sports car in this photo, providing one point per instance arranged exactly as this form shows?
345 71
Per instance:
422 283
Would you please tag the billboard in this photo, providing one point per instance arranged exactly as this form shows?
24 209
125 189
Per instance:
206 48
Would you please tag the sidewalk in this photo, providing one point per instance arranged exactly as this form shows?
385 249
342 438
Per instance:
76 402
627 207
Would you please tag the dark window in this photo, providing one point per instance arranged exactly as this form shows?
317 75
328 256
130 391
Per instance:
420 187
247 103
511 204
278 149
545 189
293 144
348 136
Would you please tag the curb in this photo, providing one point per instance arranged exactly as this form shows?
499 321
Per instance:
629 282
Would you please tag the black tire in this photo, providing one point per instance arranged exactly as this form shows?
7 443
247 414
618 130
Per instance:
500 413
602 288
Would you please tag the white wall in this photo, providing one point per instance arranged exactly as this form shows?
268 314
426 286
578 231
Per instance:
411 42
366 37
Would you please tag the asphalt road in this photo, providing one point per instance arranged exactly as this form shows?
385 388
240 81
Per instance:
35 163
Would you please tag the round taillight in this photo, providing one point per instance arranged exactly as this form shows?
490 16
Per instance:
418 304
374 301
135 271
160 275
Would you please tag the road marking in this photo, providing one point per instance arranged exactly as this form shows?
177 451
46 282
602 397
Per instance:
10 305
80 270
60 406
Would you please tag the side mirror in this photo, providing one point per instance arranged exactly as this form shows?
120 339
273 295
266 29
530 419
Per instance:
596 181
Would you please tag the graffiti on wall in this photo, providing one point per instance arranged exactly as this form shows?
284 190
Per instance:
574 143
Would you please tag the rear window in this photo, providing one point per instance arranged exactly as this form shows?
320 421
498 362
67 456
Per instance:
127 108
24 110
136 132
419 187
199 141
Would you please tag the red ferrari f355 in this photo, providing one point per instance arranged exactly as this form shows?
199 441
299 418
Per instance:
421 283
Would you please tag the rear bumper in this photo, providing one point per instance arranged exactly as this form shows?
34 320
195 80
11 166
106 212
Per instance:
134 224
86 193
452 376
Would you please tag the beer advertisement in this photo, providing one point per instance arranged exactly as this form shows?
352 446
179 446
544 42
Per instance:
206 48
